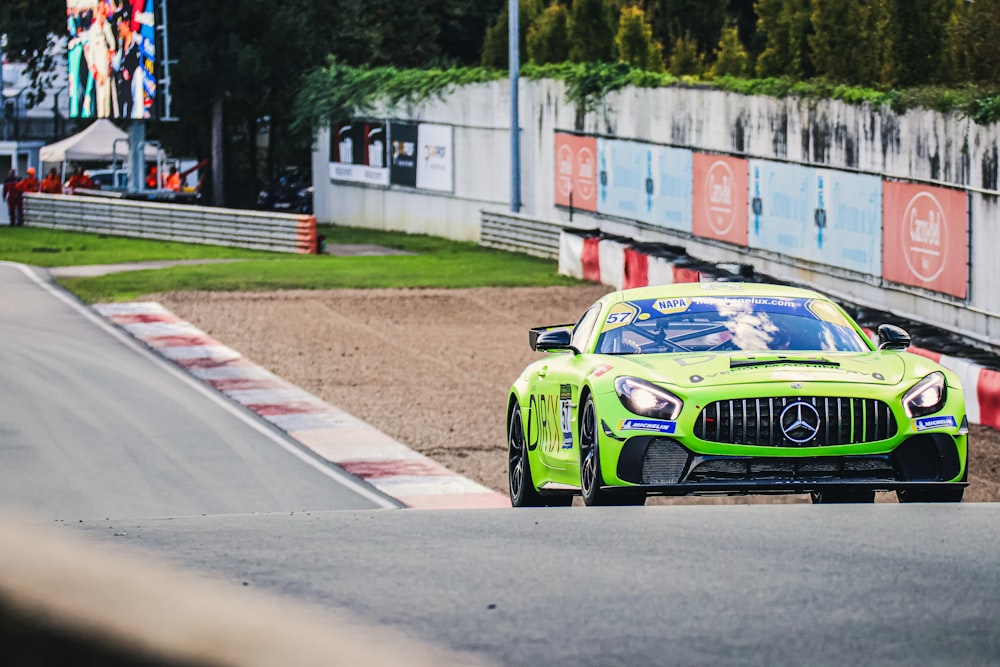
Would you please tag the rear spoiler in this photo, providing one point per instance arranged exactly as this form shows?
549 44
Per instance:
534 333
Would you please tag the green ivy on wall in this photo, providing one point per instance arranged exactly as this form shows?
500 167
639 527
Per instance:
340 91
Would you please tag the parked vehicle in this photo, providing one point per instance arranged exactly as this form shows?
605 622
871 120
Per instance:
110 179
288 194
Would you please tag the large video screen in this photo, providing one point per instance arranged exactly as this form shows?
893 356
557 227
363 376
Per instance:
112 58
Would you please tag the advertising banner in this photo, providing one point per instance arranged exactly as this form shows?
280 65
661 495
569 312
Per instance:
672 196
576 171
720 198
358 153
435 162
819 215
644 182
111 50
403 154
926 237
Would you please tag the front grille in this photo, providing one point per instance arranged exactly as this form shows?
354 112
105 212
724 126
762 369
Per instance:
663 462
757 421
859 468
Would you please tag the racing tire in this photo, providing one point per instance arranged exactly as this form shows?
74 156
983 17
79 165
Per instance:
931 495
521 487
591 479
842 496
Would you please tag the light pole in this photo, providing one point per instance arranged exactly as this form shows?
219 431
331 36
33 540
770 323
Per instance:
515 132
164 83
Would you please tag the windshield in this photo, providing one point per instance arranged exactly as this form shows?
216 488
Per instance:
718 324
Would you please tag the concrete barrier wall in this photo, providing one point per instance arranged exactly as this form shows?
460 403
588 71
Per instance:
859 142
280 232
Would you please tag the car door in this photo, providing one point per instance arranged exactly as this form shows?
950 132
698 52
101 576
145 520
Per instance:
562 378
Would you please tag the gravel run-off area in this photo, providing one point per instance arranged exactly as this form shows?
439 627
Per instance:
432 367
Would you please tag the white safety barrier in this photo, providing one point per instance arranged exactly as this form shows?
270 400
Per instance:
258 230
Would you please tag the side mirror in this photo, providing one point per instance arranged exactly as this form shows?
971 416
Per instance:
555 339
891 337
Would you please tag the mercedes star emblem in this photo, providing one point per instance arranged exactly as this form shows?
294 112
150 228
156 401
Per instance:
799 422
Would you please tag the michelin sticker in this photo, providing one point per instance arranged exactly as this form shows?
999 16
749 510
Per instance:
647 425
928 423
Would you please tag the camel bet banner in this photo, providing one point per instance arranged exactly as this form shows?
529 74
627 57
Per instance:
926 237
576 171
720 198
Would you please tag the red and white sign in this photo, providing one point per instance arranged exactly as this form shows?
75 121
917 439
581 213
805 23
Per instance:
576 171
925 237
720 198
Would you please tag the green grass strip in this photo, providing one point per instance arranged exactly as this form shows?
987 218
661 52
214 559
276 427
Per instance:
53 247
438 262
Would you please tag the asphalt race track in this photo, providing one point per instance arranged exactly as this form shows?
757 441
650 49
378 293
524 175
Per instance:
884 584
93 426
113 444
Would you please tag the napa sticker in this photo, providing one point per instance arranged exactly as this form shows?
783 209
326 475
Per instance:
647 425
928 423
668 306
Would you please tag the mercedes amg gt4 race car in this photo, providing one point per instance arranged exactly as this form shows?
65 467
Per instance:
730 388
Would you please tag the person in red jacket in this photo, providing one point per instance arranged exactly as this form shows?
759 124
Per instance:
52 184
27 184
11 195
174 180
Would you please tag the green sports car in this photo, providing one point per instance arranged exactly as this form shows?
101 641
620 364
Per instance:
730 388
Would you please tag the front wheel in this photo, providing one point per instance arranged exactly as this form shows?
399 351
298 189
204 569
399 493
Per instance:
591 479
522 489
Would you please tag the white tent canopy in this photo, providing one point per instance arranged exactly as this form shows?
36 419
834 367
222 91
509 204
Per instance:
100 142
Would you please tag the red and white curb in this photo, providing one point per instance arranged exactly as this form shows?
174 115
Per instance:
616 263
355 446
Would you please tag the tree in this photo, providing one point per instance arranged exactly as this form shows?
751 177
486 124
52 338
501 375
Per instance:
496 44
741 12
845 45
785 26
240 64
701 20
388 32
731 57
973 42
548 37
635 42
235 73
592 31
915 39
461 26
685 60
28 26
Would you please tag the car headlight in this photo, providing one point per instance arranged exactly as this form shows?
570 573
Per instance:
927 396
646 399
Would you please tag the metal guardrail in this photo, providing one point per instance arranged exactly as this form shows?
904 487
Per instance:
279 232
509 231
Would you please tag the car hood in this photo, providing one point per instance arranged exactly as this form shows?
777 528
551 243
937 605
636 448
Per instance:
701 369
